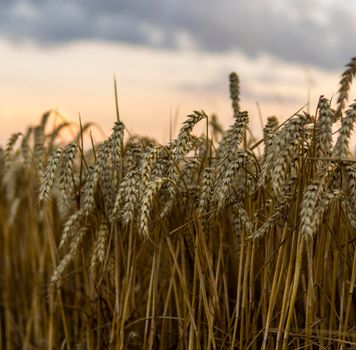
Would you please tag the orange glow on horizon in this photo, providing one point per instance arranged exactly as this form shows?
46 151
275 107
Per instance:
151 85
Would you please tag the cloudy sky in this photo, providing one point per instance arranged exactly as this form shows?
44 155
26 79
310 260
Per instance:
169 56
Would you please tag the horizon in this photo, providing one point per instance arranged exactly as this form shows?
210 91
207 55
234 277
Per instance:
169 65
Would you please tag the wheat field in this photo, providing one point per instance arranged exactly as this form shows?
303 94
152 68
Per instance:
202 243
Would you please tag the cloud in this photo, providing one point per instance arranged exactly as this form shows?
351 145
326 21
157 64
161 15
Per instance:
314 32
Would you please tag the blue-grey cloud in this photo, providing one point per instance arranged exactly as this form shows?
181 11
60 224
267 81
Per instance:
317 32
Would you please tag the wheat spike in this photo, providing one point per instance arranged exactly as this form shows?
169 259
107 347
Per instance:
49 174
100 246
224 181
73 250
70 227
116 141
148 160
151 191
345 84
9 148
183 141
324 128
341 148
285 149
206 190
66 173
235 92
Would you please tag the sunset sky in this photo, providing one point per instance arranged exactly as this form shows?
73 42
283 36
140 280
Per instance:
169 56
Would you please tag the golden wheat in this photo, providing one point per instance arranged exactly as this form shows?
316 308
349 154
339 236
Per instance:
197 244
